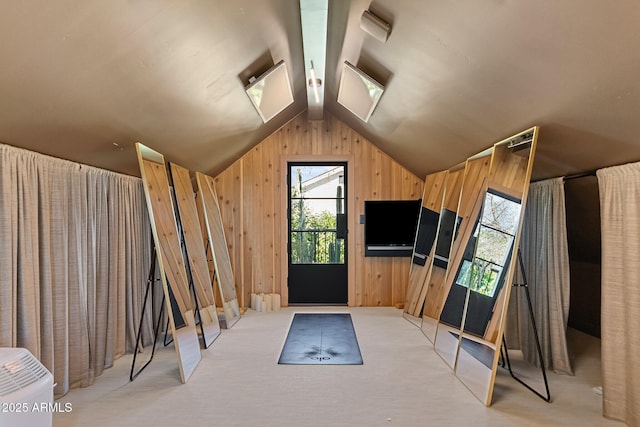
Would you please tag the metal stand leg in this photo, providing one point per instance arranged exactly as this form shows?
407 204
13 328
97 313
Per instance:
505 354
166 334
150 281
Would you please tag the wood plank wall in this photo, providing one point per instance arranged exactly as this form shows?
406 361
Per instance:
253 193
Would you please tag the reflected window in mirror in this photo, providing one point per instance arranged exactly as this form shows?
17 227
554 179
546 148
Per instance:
493 236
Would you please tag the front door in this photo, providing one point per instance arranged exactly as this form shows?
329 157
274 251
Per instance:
317 214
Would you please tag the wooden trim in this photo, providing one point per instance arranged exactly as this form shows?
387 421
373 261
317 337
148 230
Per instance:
250 194
284 263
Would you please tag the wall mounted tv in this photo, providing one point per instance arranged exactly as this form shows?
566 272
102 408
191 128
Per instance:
390 227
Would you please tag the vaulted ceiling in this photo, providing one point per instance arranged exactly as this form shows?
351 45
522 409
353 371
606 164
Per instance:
84 80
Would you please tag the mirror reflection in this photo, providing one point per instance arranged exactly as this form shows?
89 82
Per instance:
472 261
483 277
426 233
450 299
448 224
486 271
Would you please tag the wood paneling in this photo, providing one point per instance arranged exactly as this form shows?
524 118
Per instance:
252 196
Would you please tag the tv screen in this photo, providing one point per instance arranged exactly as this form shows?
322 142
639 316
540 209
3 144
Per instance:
390 227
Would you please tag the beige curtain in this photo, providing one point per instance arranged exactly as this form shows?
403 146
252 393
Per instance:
546 259
620 216
74 256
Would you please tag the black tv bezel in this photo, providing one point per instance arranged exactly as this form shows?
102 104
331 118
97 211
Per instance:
391 249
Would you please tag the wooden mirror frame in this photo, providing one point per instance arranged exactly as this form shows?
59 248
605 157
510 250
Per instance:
476 172
218 245
169 258
434 187
438 270
510 174
195 252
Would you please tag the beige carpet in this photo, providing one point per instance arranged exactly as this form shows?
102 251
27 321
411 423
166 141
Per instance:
403 382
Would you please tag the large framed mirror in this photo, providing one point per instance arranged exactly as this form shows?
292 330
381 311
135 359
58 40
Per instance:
448 224
446 306
487 268
178 301
223 271
195 252
482 274
429 218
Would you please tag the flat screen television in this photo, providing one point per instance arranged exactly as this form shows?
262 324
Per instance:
390 227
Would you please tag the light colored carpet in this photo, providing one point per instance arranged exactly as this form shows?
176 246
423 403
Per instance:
403 382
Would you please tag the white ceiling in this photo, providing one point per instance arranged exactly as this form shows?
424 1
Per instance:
79 76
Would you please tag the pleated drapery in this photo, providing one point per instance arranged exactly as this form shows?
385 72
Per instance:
74 258
545 257
619 188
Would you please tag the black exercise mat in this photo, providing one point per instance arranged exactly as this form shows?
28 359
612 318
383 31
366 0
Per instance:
321 339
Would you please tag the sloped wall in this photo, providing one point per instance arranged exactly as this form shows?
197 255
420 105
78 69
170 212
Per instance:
253 194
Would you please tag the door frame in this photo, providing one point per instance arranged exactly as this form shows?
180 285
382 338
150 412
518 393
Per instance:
284 222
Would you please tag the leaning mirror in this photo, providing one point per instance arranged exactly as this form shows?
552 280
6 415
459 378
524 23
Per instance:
486 271
448 298
483 275
177 296
448 225
218 244
195 252
434 185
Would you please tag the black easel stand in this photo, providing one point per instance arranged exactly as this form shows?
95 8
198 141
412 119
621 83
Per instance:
504 353
150 280
166 334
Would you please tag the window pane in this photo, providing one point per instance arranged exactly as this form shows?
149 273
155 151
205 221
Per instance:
464 274
316 248
493 245
317 181
484 277
304 215
501 213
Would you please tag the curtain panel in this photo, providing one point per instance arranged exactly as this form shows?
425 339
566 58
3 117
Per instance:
545 257
620 221
74 258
